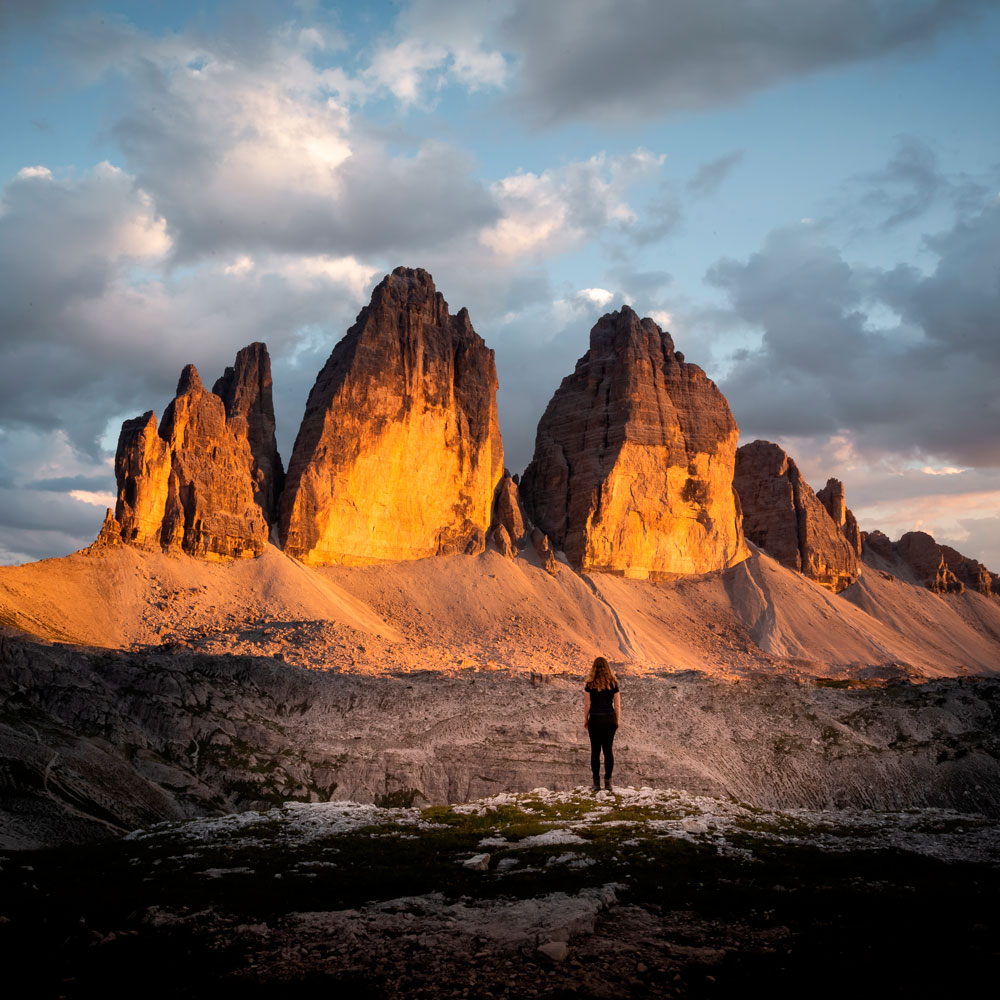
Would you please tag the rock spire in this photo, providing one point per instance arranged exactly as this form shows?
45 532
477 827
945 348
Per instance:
633 464
782 515
399 450
196 483
245 390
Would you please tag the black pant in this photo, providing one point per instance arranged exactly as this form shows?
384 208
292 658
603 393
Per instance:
602 736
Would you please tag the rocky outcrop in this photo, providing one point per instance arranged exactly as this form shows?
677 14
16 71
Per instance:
540 543
924 557
189 484
832 498
970 572
245 390
938 567
876 543
399 450
783 516
633 463
507 509
501 539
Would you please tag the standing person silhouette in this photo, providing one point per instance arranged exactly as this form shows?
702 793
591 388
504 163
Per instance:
602 714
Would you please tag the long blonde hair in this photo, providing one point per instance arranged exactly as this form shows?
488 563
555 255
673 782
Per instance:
601 676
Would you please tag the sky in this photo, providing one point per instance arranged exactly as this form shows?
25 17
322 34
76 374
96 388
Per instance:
807 196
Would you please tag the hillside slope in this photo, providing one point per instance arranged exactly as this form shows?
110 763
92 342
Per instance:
491 612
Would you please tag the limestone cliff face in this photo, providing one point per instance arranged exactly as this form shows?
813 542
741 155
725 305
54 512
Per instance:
507 510
245 389
784 517
924 557
938 567
971 572
633 464
832 498
399 450
188 485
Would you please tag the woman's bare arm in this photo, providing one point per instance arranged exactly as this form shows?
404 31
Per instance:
618 708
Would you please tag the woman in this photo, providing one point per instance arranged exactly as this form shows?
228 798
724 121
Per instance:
602 714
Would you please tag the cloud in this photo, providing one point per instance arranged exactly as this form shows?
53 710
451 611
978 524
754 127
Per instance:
436 42
831 359
247 155
644 58
910 184
709 176
96 327
562 208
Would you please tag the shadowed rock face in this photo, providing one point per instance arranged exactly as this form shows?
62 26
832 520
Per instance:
507 510
188 485
938 567
924 557
399 450
832 498
633 464
970 572
784 517
245 389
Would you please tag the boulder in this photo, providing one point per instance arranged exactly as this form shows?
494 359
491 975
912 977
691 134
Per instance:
633 462
399 451
783 516
245 390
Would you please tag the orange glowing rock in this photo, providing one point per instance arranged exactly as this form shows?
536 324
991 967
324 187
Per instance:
399 450
633 463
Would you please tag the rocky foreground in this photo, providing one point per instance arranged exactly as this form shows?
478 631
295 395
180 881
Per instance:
97 742
637 893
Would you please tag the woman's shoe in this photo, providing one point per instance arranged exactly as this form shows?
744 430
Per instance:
607 784
597 786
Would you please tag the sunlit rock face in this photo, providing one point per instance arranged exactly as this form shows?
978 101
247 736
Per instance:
399 450
245 390
783 516
188 485
633 464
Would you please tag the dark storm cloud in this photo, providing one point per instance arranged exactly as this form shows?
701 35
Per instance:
925 386
63 484
635 58
29 510
709 176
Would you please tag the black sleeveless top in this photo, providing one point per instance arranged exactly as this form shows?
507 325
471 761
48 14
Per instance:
602 704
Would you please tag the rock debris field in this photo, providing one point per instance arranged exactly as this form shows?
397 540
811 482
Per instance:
636 892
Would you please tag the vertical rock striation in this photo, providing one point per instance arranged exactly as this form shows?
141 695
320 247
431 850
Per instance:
190 485
633 464
245 390
399 450
784 517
